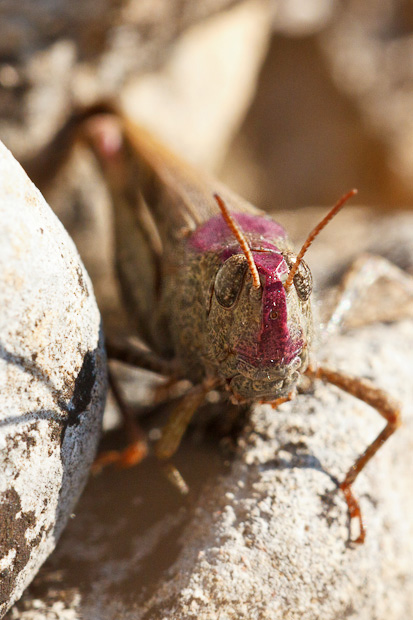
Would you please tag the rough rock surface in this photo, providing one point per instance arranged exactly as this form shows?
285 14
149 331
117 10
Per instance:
196 101
52 379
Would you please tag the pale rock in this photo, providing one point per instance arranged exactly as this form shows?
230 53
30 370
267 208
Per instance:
52 379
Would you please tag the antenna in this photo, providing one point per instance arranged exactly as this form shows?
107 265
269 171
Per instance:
313 234
239 235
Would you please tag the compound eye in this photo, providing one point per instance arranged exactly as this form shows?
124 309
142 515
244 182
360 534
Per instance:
229 280
303 280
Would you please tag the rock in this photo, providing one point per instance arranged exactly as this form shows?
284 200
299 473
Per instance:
52 379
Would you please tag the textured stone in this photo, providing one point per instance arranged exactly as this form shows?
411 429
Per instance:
52 379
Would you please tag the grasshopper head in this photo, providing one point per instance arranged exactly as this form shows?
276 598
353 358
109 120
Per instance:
259 319
259 337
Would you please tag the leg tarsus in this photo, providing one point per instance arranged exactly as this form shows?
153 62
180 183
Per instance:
175 478
132 455
354 511
279 401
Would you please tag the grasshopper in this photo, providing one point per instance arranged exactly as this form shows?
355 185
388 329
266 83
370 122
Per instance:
214 288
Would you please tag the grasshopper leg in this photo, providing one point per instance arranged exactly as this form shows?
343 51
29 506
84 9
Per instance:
175 428
279 401
137 448
137 355
386 406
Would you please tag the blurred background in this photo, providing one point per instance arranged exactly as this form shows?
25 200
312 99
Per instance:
290 102
305 94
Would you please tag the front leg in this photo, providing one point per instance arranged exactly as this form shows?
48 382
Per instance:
175 428
139 356
387 407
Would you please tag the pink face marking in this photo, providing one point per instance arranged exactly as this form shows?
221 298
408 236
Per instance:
274 344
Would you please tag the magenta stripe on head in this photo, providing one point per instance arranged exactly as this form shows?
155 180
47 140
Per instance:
274 344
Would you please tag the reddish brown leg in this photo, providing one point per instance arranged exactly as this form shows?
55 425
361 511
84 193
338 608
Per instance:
137 448
279 401
139 356
387 407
